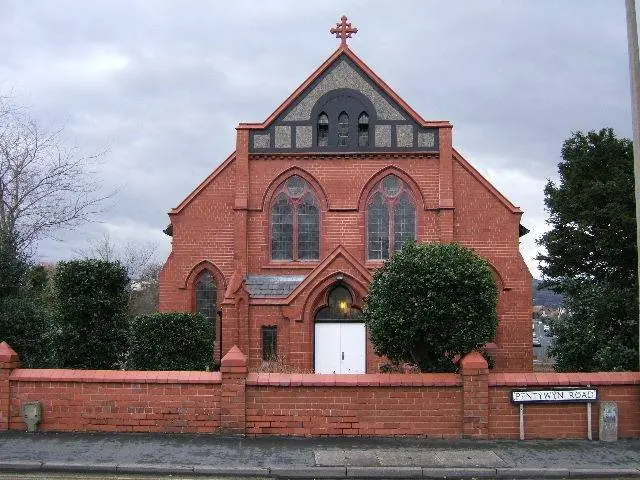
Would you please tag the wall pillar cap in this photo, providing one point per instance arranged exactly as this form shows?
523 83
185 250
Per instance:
8 355
473 361
234 358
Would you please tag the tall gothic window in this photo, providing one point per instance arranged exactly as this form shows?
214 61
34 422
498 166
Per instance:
363 130
323 130
295 222
206 293
343 129
391 218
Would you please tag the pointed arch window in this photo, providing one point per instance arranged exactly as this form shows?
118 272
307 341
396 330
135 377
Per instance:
323 130
363 130
391 218
206 297
343 129
295 222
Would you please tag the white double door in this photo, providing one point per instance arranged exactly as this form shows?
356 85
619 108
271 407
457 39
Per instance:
340 348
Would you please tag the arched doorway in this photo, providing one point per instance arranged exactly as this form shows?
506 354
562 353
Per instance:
340 335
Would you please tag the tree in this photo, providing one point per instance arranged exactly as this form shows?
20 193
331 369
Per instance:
171 341
139 259
431 304
91 314
44 185
591 255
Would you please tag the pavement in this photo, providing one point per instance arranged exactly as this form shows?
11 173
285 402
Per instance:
287 457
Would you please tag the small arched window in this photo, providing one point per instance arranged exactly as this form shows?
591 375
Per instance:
206 296
343 129
323 130
391 218
363 130
340 308
295 222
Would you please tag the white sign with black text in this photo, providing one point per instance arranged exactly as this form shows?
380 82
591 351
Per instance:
585 395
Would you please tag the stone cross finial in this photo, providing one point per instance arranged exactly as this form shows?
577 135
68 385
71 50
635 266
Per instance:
343 30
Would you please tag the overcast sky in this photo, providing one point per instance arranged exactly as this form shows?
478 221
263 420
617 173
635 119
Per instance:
163 84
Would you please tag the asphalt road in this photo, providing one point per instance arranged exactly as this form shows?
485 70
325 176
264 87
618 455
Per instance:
541 352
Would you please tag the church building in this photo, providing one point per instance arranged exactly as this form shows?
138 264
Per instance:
278 244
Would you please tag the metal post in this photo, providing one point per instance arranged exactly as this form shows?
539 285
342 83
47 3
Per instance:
634 70
522 421
589 435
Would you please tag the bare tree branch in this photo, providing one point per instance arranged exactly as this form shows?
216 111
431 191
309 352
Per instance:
44 185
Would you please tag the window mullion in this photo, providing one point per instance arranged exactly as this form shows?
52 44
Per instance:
392 226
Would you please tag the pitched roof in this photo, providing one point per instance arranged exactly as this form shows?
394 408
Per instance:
346 51
272 285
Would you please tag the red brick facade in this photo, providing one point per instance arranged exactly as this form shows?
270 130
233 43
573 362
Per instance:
224 225
474 404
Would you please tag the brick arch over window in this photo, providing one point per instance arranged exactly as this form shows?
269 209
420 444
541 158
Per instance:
391 216
295 213
206 286
283 176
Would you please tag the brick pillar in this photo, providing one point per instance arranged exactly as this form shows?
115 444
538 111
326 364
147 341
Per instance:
475 384
8 361
445 188
233 403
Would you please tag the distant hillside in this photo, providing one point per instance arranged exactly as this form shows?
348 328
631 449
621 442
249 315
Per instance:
545 297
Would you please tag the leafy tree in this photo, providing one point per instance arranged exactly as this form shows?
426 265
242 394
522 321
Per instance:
591 255
431 303
91 317
171 341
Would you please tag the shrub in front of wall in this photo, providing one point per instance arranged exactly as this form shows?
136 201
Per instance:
91 314
171 341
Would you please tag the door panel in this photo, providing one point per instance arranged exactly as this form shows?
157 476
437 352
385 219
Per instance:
340 348
352 345
327 348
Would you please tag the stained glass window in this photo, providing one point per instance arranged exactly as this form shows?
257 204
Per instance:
308 229
282 228
206 297
343 129
295 222
391 214
323 130
363 130
404 222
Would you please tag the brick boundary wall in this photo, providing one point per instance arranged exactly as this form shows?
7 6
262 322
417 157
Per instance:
473 404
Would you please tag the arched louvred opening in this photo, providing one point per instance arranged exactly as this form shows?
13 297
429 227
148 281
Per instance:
206 298
282 228
363 130
391 218
343 129
323 130
295 221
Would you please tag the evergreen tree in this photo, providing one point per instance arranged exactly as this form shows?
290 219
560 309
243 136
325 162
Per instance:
591 254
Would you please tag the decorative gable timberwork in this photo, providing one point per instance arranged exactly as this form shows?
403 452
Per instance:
344 88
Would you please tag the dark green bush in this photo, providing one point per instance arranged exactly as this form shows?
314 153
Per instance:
91 314
25 325
431 303
171 341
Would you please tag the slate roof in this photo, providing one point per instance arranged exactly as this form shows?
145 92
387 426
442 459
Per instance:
272 285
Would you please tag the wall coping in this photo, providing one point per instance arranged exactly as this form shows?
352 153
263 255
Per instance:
359 380
563 379
112 376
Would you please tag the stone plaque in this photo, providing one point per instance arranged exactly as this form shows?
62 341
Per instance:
608 421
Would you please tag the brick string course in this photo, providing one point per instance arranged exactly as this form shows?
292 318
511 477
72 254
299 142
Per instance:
474 404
